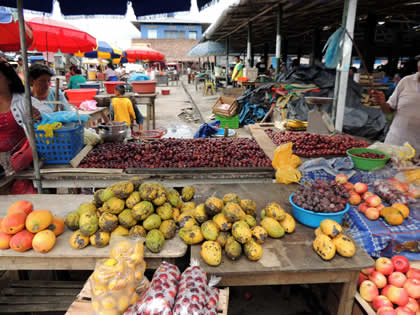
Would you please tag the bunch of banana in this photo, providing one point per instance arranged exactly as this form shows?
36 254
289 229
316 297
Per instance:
294 124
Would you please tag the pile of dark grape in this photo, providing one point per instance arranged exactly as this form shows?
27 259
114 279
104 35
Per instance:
322 196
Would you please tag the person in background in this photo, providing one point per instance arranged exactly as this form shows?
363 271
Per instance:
120 71
13 118
237 71
40 80
261 66
110 73
189 74
76 78
404 102
70 73
352 72
122 109
19 68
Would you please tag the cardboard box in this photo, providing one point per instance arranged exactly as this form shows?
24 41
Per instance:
221 110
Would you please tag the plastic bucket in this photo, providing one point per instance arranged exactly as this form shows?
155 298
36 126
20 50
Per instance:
78 96
110 86
144 87
367 164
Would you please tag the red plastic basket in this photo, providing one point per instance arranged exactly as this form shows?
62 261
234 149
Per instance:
78 96
110 86
166 92
144 87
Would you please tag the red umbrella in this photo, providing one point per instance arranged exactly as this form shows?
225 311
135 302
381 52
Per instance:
10 39
144 53
51 35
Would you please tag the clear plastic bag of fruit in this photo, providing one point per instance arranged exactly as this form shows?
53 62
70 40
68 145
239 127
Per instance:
129 249
113 286
160 297
399 154
195 295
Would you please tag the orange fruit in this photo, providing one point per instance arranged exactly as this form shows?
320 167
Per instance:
402 208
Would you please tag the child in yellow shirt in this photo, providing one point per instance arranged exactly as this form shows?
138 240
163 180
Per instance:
122 106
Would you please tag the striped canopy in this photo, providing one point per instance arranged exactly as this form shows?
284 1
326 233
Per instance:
103 50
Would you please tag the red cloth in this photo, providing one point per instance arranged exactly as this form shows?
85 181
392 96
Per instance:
22 158
22 187
10 132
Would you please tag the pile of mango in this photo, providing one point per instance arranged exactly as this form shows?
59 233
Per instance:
129 208
330 240
230 224
24 228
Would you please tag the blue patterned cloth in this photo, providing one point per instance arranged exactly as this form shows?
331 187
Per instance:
376 237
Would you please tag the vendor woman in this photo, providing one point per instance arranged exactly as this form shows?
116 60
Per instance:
110 73
405 103
40 78
12 112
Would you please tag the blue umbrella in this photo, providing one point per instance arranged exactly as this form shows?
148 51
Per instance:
104 51
107 7
208 48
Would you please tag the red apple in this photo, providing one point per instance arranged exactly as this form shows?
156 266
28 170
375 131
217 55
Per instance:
397 296
363 207
385 290
349 187
400 263
341 179
412 286
397 279
372 213
366 194
380 301
368 290
386 310
362 277
413 305
368 271
378 279
360 188
413 273
354 198
373 201
384 265
403 310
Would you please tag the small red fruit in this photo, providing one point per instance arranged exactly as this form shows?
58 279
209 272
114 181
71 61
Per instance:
341 179
400 263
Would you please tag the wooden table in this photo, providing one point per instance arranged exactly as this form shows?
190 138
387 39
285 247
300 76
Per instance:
64 176
95 116
63 256
289 260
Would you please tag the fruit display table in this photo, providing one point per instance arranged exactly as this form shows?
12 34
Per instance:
63 256
291 260
83 305
65 177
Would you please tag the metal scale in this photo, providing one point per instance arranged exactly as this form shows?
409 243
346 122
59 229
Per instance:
319 121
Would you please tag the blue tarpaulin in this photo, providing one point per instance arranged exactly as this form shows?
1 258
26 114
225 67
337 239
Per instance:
207 130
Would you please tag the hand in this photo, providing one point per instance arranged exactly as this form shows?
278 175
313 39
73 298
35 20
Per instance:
36 114
377 96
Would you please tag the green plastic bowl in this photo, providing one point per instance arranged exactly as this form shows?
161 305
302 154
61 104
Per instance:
367 164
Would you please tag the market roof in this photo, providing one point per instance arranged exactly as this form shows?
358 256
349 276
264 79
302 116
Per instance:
170 21
300 18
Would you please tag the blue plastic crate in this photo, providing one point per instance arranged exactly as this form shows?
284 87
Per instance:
66 143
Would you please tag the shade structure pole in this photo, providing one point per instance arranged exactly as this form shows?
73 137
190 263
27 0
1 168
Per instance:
227 61
28 112
249 62
350 7
278 39
199 64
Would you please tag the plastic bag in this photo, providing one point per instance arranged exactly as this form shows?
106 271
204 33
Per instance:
193 294
160 297
404 152
88 105
287 175
284 155
91 137
112 286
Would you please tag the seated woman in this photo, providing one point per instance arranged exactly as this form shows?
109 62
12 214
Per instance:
110 73
76 78
12 117
40 79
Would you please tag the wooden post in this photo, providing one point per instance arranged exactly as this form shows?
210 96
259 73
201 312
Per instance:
278 39
28 112
369 45
266 49
284 49
57 89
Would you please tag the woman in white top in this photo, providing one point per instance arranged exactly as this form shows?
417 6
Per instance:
110 73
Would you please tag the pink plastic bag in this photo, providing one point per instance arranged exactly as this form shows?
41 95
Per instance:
88 105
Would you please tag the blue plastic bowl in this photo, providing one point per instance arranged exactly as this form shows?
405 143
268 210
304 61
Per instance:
314 219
